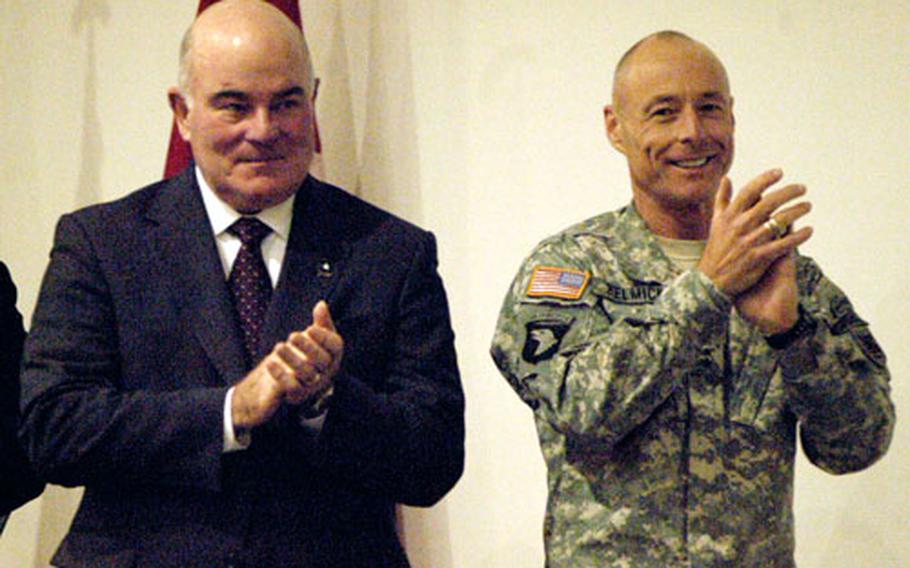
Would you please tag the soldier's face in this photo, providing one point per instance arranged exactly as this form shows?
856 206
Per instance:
672 118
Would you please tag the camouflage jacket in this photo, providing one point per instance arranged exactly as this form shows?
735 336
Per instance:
666 421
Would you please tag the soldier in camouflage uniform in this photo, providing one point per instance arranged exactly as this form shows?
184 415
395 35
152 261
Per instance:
667 385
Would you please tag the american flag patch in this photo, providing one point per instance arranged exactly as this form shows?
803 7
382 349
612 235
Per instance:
549 281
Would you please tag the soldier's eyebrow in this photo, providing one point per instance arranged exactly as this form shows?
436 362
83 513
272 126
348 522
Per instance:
659 100
295 91
714 96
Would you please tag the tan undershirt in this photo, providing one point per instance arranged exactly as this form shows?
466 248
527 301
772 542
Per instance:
684 254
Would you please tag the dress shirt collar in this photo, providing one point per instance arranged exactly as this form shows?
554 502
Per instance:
221 215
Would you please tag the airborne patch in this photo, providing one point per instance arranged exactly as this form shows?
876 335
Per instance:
543 339
565 283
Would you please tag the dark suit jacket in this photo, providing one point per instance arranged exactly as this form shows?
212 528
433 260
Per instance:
134 343
18 483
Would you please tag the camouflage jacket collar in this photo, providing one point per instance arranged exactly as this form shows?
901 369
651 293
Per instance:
636 248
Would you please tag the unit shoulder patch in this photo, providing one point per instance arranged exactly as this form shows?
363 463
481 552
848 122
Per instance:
543 338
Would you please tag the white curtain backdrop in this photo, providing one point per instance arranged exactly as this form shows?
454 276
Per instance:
481 121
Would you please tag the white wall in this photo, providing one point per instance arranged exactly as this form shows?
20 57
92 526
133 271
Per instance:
482 122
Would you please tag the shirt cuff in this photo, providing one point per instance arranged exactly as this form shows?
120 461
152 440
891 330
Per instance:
233 441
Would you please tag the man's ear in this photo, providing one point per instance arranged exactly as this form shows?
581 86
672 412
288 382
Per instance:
181 111
614 128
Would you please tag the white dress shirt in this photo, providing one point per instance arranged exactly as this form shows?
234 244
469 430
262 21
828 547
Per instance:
221 216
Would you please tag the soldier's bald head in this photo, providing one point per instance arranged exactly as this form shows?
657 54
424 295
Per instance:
655 47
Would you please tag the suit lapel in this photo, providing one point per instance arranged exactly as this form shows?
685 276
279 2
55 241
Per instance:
189 259
313 262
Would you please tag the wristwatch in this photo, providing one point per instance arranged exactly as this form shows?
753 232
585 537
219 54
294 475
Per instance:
805 326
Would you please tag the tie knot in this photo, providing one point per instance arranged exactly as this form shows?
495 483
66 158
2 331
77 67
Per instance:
249 230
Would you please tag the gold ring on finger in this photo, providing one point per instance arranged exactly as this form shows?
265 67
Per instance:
777 229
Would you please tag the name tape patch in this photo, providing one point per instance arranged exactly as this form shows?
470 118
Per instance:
645 293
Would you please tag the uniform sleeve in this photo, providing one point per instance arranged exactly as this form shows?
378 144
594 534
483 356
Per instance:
838 381
594 372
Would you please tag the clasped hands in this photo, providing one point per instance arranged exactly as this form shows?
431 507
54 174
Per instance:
297 371
753 260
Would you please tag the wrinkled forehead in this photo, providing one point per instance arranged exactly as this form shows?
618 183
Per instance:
670 68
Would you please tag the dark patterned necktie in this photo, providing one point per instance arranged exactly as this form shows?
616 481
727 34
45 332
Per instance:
249 281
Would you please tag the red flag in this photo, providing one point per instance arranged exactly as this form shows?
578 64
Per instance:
179 154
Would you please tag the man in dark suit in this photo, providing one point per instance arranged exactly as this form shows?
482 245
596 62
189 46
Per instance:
216 420
18 483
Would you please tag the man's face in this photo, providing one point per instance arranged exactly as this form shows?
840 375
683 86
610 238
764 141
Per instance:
249 120
672 117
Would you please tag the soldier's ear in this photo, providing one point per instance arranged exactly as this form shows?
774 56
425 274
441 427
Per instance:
614 129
